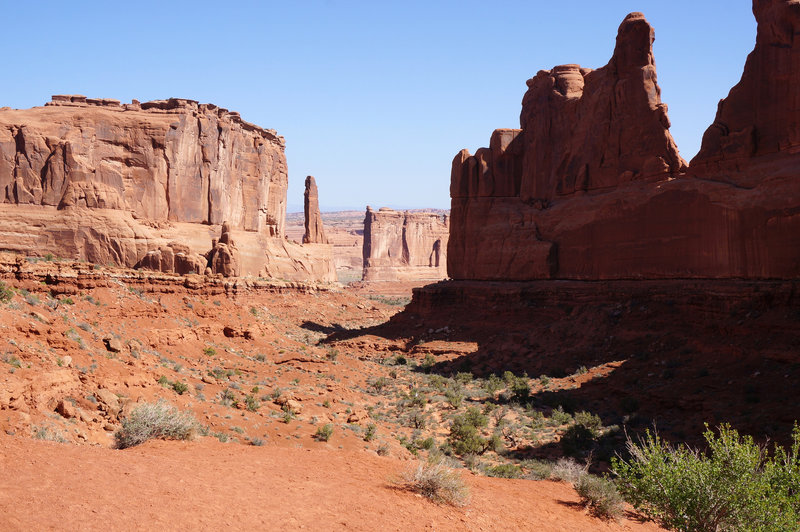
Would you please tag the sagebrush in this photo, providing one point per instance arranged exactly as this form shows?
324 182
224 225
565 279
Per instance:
155 421
437 481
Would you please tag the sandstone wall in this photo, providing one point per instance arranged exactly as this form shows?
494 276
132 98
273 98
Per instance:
592 185
141 184
404 246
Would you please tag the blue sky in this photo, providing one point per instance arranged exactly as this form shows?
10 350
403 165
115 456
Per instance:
374 98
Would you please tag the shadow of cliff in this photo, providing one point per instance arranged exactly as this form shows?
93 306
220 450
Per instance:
676 354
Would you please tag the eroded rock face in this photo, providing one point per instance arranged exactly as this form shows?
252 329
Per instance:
315 232
167 160
592 186
404 246
146 185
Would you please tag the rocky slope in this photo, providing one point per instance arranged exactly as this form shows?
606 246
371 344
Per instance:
96 180
404 246
592 186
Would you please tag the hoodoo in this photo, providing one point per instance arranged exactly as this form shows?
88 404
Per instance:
315 232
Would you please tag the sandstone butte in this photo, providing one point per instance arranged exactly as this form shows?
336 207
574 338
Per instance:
150 185
592 185
404 246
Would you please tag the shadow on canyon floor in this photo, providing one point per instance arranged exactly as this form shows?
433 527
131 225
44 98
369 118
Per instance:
674 354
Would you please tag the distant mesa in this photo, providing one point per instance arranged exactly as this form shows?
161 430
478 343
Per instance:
148 185
592 185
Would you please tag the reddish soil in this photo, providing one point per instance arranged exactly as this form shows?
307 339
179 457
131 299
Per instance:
206 484
82 347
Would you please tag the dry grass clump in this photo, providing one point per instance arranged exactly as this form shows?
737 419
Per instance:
155 420
437 481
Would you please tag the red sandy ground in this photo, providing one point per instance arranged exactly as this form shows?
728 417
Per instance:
211 485
265 337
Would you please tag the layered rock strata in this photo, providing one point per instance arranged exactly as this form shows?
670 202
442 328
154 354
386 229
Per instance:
592 185
404 246
314 230
145 184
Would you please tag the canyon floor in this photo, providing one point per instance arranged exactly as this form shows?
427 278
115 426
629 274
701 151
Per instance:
268 367
257 364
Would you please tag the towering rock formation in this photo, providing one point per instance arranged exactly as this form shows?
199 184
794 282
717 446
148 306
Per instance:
404 246
756 132
315 232
592 186
143 184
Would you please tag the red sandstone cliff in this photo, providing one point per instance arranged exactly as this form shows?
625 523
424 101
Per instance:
140 184
404 246
592 186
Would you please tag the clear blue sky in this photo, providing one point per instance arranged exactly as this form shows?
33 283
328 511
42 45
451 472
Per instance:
374 98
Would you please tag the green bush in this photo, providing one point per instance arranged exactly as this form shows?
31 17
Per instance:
252 403
6 293
427 363
180 387
504 471
155 420
324 432
580 437
465 438
736 485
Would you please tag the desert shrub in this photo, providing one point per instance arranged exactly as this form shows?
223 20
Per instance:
464 377
736 485
379 384
48 434
6 293
465 438
209 351
520 390
252 403
538 469
427 363
415 398
371 431
155 420
493 384
568 470
599 494
559 417
324 432
504 471
180 387
581 436
454 396
436 481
